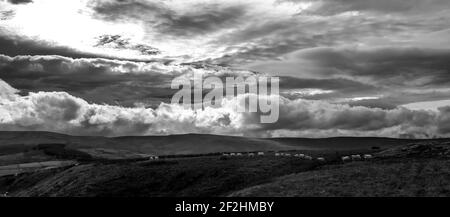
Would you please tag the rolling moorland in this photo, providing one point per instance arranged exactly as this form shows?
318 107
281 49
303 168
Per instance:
50 164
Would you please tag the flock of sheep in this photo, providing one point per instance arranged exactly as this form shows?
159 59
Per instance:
355 157
240 154
302 156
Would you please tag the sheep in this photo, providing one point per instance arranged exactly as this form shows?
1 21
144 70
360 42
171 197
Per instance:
260 153
239 154
345 158
296 155
287 155
301 155
356 157
308 157
368 156
225 154
155 157
233 154
277 154
321 159
251 154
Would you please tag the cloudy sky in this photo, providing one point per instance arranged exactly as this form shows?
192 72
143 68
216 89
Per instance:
346 67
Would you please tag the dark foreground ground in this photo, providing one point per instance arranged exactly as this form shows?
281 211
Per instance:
421 168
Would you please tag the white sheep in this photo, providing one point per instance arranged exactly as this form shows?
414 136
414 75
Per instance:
251 154
345 158
368 156
288 155
277 154
233 154
308 157
260 153
239 154
301 155
321 159
356 157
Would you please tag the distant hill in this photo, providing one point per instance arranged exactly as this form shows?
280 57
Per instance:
17 141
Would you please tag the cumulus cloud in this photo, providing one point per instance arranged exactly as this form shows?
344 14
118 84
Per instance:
61 112
7 92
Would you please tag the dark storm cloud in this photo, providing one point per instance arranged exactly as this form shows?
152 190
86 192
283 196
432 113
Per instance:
13 46
394 67
333 89
339 84
332 7
125 83
96 80
207 18
444 121
268 40
381 103
415 67
375 77
20 1
392 99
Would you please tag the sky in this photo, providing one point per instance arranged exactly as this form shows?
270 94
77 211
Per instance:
346 67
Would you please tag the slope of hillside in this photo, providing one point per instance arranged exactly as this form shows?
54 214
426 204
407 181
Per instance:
347 143
194 177
413 170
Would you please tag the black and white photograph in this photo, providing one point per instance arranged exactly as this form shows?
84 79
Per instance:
224 99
